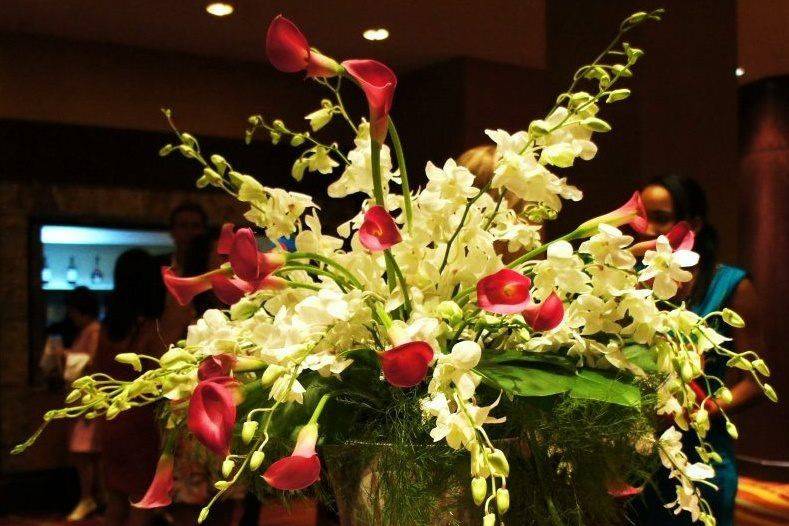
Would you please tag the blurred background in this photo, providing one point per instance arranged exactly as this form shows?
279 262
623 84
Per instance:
82 84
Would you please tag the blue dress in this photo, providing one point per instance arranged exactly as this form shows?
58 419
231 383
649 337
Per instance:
651 510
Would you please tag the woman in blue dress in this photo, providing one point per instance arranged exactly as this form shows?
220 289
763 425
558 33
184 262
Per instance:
669 200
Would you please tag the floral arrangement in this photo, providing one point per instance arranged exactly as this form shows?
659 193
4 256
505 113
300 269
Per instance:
413 308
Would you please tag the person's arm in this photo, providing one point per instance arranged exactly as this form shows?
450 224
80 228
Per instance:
745 302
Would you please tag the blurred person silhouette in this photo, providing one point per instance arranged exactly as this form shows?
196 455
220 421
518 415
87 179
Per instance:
130 442
188 220
715 285
73 361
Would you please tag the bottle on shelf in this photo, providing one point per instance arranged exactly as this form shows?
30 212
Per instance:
71 272
96 276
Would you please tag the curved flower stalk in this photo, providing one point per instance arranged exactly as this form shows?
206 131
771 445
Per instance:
412 303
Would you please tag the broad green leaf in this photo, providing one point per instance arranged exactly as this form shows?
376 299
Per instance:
526 381
590 384
513 356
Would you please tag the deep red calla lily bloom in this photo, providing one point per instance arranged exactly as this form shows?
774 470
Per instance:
546 315
378 83
212 414
623 490
302 468
505 292
244 255
216 366
379 230
406 365
288 50
158 493
231 290
680 237
185 289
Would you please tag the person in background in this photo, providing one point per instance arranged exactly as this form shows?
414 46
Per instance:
714 286
130 442
82 310
188 220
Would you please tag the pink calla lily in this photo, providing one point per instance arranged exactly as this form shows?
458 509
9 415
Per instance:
406 365
302 468
379 230
680 237
546 315
185 289
504 292
378 83
216 366
288 50
212 414
158 493
631 213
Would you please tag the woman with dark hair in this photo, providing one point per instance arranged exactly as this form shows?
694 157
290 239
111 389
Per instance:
130 442
715 285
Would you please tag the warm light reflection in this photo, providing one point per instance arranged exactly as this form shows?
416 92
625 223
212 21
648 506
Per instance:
739 72
376 34
219 9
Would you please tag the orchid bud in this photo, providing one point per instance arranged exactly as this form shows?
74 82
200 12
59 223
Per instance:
279 125
761 366
112 412
203 515
479 490
740 363
73 396
715 457
221 485
227 467
176 357
686 372
297 139
256 460
243 309
130 358
731 429
732 318
489 520
275 137
502 500
320 118
724 394
248 431
498 463
297 172
271 374
166 150
595 124
617 95
769 392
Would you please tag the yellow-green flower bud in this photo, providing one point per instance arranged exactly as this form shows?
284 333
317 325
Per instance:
278 124
489 520
167 149
499 465
450 311
686 372
112 412
761 366
715 457
73 396
595 124
203 515
297 140
769 392
176 357
732 318
271 374
256 460
227 467
724 395
502 500
740 363
731 429
221 485
617 95
243 309
479 490
248 431
130 358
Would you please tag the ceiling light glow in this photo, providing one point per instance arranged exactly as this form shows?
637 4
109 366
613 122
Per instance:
739 72
376 34
219 9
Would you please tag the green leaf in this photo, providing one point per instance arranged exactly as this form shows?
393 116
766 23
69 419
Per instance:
642 356
513 356
586 384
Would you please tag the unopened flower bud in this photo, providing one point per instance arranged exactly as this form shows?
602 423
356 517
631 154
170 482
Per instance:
502 500
731 429
724 395
112 412
732 318
761 366
450 311
248 431
686 372
740 363
489 520
203 515
297 140
130 358
479 490
498 463
278 124
271 374
715 457
256 460
227 467
73 396
769 392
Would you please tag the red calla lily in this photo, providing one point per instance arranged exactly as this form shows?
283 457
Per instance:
505 292
632 213
379 230
623 490
680 237
158 493
185 289
244 255
302 468
378 83
546 315
216 366
406 365
225 242
288 50
231 290
212 414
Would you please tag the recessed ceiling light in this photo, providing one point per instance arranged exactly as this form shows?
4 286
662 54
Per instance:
739 72
376 34
219 9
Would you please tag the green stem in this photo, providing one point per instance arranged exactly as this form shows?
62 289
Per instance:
328 261
460 226
398 148
401 279
319 409
375 161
